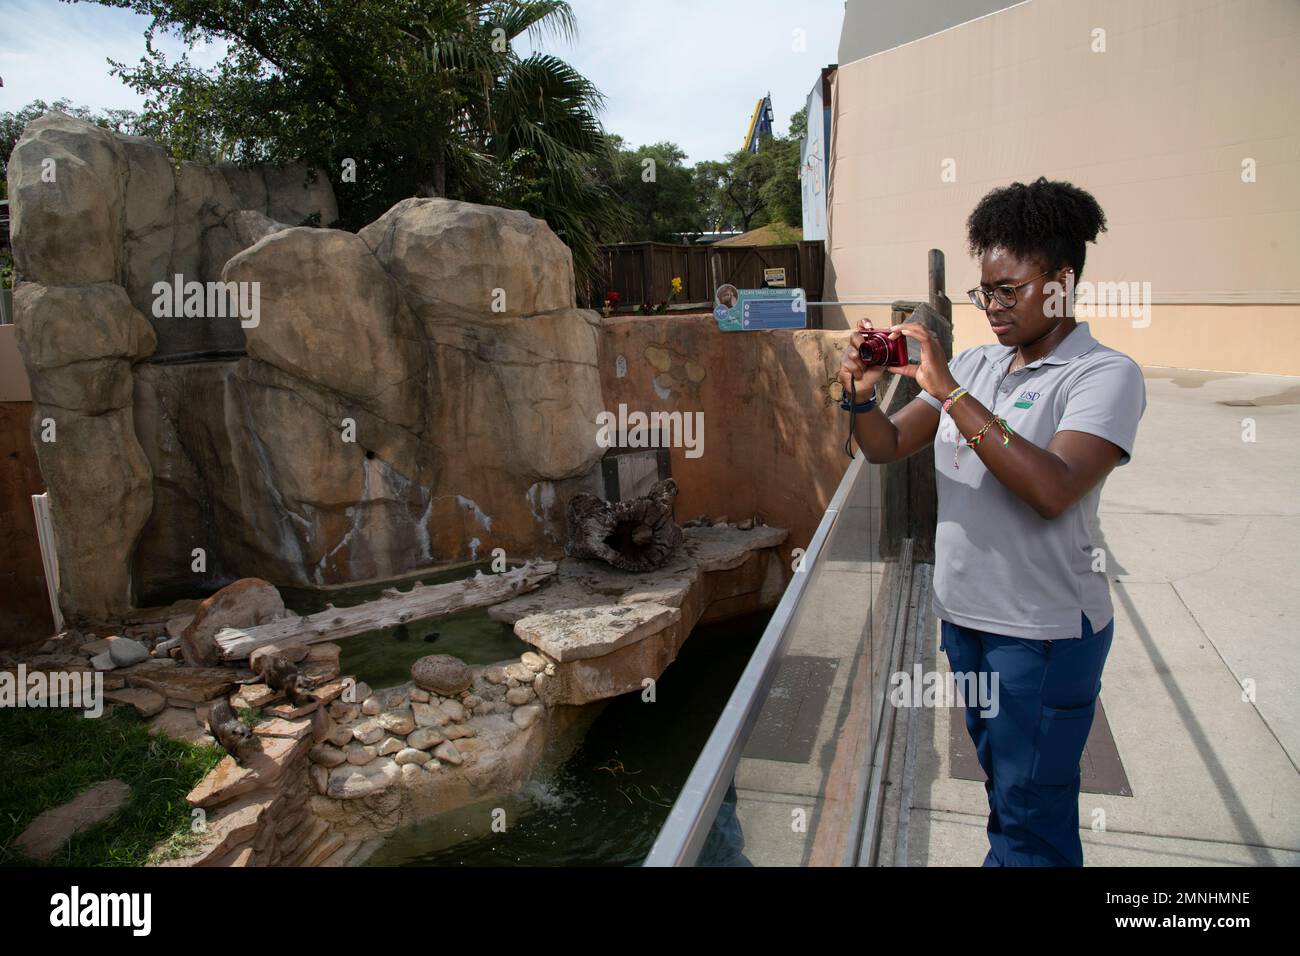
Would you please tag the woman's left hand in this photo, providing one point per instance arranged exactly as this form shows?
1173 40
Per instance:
932 372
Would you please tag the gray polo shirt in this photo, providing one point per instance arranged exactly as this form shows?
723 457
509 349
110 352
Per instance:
999 565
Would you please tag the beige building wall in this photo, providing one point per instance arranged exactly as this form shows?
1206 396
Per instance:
1157 126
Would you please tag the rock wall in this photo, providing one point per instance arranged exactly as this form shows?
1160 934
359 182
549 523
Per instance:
772 427
97 219
420 392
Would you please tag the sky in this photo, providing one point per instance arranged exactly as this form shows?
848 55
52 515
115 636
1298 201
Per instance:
687 71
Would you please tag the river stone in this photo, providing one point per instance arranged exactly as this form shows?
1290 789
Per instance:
533 661
320 778
525 716
442 674
391 745
424 738
340 735
521 673
412 755
126 652
359 754
411 773
454 709
419 696
458 731
520 695
326 756
429 715
350 783
368 732
448 753
399 722
371 706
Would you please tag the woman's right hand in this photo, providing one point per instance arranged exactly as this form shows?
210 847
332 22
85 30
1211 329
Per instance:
852 368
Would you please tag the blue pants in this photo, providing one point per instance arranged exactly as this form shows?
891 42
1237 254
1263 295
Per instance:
1030 750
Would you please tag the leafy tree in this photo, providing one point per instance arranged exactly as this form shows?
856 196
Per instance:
706 178
428 97
799 124
659 191
781 193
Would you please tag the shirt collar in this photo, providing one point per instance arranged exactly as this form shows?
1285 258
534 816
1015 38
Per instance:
1078 342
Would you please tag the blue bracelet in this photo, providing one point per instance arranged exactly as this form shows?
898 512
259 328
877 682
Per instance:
861 407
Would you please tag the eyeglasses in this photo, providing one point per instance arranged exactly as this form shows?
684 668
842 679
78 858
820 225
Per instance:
1005 294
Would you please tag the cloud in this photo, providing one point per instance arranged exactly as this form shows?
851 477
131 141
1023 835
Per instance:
688 71
691 71
61 52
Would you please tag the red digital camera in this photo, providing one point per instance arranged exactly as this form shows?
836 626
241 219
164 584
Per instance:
878 348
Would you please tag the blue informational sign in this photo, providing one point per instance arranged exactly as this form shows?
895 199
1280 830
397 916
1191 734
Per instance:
745 310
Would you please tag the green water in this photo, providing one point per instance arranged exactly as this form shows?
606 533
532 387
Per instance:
601 794
384 658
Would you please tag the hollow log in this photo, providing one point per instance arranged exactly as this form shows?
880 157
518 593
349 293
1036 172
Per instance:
634 535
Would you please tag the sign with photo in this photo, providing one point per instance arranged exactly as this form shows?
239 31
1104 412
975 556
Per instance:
744 310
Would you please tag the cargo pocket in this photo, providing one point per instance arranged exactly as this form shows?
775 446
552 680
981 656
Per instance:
1062 735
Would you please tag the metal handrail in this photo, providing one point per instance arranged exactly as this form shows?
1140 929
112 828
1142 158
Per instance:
687 827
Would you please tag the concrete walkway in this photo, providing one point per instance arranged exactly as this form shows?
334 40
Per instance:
1201 532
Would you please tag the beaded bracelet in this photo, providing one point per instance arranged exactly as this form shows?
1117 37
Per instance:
1000 422
955 394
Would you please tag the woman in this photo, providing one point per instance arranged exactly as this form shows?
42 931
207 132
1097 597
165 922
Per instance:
1031 427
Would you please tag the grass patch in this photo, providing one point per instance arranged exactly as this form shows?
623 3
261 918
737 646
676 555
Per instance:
49 755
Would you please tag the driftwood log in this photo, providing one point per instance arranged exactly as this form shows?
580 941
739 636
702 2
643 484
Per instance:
394 608
634 535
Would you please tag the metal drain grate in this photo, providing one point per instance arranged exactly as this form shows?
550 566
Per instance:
1102 771
787 724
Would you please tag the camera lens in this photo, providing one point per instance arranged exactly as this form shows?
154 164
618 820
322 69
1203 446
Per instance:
873 350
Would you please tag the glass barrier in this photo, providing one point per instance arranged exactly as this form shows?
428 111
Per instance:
783 778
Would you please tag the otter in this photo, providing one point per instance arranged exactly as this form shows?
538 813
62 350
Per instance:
231 732
280 674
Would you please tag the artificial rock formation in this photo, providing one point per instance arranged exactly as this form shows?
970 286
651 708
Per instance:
419 392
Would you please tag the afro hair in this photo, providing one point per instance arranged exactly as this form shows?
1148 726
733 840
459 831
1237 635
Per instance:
1049 220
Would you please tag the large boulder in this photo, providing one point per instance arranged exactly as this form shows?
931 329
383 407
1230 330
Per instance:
459 258
330 315
67 180
243 603
79 345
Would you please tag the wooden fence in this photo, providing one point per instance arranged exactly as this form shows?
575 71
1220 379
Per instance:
643 271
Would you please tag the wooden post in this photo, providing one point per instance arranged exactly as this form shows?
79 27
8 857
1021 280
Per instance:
911 504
